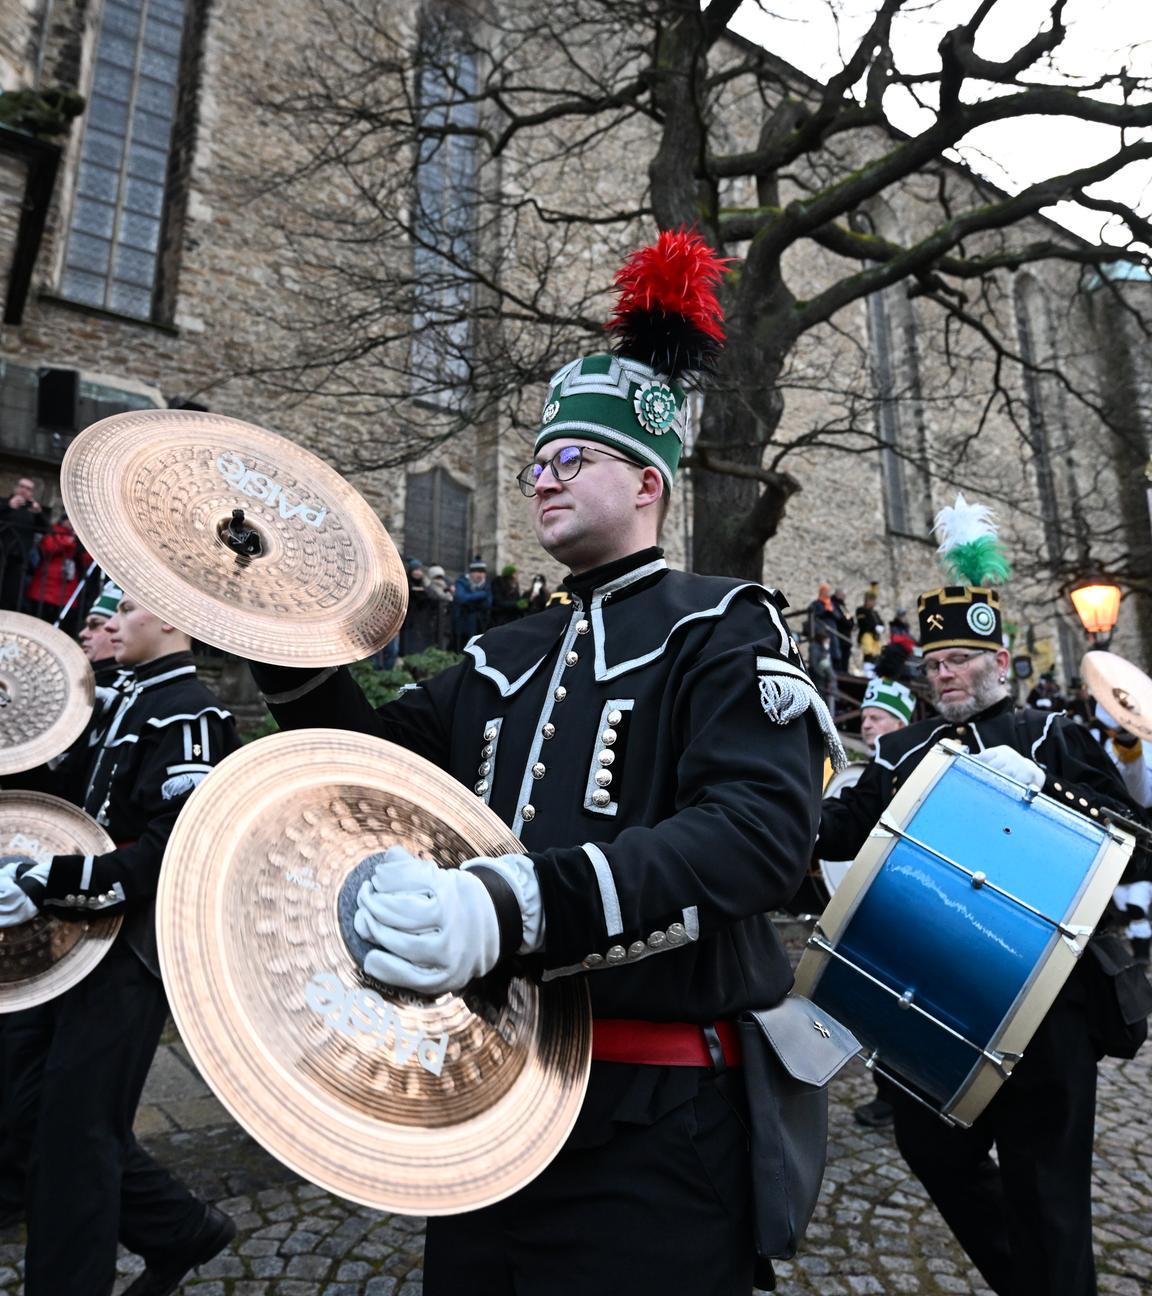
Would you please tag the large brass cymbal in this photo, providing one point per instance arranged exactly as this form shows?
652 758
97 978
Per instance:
47 692
42 958
151 493
405 1103
1121 688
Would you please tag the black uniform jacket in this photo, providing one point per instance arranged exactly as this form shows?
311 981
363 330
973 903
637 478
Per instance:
1075 765
636 742
66 775
159 738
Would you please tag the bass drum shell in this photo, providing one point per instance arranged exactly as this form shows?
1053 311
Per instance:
964 913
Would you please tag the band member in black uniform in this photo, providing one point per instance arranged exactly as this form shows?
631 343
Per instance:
657 747
95 639
67 777
76 1065
1025 1219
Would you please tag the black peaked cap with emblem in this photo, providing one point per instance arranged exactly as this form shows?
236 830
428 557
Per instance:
965 615
960 616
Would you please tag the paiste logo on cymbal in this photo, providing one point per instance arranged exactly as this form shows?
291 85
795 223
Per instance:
261 487
363 1014
20 844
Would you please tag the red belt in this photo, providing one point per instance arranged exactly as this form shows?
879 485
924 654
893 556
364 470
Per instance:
616 1039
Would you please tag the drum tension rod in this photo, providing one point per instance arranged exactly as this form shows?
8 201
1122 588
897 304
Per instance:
1112 819
1003 1062
872 1062
979 880
240 539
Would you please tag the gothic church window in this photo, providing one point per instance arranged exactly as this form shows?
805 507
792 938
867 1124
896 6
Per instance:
114 234
444 212
1032 335
438 520
899 413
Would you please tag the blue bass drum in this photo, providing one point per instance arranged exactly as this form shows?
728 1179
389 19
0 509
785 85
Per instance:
961 918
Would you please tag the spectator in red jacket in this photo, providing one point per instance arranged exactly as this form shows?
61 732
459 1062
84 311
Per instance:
57 574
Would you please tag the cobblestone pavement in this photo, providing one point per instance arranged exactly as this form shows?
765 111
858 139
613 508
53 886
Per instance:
874 1230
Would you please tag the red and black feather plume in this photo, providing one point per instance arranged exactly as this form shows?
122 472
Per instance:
667 312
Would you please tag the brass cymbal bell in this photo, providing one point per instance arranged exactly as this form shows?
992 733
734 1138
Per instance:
47 691
418 1105
42 958
236 535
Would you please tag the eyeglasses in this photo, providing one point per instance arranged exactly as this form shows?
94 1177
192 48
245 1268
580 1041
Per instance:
954 661
565 464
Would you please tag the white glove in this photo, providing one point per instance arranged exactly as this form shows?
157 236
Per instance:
437 928
1006 760
15 906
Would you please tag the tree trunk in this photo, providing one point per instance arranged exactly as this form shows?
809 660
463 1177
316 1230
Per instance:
737 504
733 519
1130 445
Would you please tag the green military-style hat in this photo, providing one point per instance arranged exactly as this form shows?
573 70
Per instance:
890 696
668 330
107 601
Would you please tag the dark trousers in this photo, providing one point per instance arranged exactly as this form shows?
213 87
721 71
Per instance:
75 1070
11 1176
1026 1223
656 1209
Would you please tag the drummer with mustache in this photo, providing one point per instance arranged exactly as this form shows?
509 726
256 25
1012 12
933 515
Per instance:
657 746
1025 1219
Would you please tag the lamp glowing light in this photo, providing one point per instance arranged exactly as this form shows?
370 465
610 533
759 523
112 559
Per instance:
1097 603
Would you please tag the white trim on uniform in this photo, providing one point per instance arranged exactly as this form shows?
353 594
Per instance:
609 898
1044 734
527 782
162 722
590 785
605 672
143 684
506 686
919 746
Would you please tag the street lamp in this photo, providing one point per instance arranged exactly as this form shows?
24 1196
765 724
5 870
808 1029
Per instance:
1097 603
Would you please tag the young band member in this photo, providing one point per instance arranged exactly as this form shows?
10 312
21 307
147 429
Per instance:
656 745
94 638
1025 1219
888 706
75 1066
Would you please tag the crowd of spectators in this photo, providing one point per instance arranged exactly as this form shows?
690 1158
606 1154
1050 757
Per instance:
840 643
41 558
446 616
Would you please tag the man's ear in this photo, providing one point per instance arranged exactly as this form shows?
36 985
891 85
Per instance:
651 488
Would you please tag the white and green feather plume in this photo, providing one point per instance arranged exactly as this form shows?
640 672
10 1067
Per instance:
970 550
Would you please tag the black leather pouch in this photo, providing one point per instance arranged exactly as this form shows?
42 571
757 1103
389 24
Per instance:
791 1052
